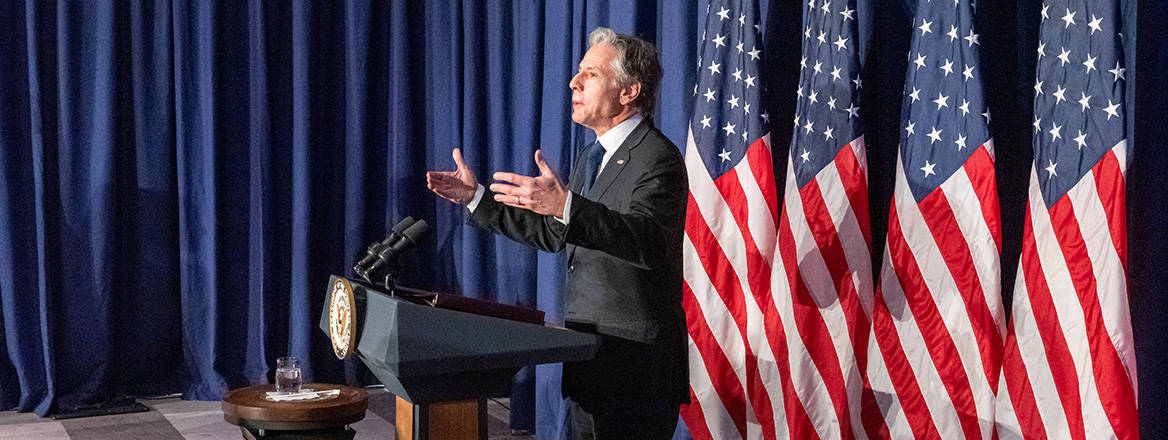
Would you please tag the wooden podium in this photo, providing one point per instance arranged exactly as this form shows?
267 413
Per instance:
443 364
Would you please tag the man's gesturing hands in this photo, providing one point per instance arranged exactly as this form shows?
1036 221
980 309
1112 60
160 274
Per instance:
542 194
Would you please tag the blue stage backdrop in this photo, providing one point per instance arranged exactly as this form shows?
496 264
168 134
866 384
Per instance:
179 179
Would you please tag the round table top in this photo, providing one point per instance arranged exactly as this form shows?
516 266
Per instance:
248 407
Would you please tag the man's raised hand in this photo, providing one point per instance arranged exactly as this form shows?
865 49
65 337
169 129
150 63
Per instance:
457 186
543 194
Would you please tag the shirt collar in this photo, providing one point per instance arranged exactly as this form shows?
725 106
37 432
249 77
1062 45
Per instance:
614 137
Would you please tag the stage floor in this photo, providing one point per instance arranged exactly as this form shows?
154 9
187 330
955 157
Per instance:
177 419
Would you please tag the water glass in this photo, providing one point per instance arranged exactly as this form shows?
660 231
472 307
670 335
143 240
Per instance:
288 375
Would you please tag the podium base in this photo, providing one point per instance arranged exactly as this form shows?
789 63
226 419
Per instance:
457 419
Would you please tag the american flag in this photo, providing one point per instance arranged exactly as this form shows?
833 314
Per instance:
938 323
777 305
730 237
1069 370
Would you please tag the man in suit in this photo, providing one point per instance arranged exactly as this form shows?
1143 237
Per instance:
621 221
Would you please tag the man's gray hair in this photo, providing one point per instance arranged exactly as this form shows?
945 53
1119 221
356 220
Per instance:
636 61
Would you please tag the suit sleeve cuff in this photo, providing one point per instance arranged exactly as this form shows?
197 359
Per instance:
478 197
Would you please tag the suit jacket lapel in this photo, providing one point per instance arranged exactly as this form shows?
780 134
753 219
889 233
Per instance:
617 162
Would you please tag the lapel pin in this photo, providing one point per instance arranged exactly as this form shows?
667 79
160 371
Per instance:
620 161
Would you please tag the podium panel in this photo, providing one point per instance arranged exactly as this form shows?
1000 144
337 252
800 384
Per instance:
426 354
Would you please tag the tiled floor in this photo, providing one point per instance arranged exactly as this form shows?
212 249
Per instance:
173 418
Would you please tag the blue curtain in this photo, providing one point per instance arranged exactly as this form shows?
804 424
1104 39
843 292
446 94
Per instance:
180 178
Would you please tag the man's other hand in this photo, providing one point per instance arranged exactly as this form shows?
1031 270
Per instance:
543 194
457 186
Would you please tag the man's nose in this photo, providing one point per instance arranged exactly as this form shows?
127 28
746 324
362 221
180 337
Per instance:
574 84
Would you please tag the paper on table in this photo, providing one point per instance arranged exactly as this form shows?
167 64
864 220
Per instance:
304 394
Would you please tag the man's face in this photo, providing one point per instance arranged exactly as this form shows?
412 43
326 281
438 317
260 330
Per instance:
596 93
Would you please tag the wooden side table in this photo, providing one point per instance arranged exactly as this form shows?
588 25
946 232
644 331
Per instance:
260 418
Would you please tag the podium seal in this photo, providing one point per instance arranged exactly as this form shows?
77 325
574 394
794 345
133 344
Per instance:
342 323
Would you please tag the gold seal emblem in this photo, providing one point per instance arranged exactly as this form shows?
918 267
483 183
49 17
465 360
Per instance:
342 325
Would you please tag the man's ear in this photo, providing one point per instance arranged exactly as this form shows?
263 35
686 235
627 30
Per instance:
630 93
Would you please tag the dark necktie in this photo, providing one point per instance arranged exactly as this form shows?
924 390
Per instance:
592 159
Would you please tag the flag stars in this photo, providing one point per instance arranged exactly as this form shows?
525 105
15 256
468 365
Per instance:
1069 19
709 95
1089 63
733 101
972 38
847 13
1054 132
826 8
841 43
920 61
822 38
1058 94
1094 24
812 97
706 121
1111 109
746 108
941 101
749 81
987 115
1064 57
807 33
765 117
952 33
964 107
719 41
909 128
742 20
827 134
753 53
1041 49
915 95
715 68
831 103
934 135
809 126
835 73
947 67
806 156
737 74
1085 101
1037 124
725 13
858 82
925 27
1050 169
928 168
818 67
802 64
1081 139
1037 87
728 128
853 111
967 73
960 142
739 47
725 155
1118 72
744 137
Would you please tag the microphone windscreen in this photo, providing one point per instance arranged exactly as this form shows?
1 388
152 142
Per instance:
397 230
417 231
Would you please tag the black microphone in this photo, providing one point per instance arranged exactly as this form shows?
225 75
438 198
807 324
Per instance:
410 238
394 235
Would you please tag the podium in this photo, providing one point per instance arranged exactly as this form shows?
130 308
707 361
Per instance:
443 364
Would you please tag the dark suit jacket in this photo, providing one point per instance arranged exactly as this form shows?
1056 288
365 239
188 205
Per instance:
624 278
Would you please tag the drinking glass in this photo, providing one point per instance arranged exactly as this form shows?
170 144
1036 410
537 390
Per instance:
288 375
